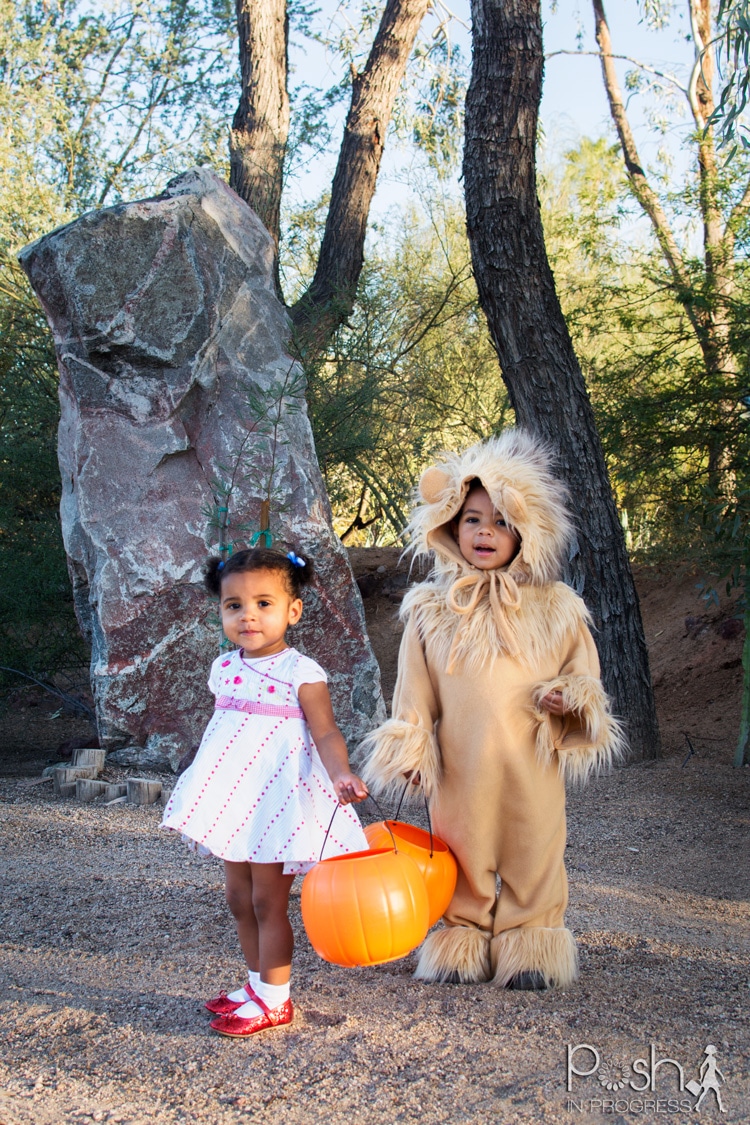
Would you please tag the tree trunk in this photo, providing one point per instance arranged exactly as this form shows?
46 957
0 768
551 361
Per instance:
539 365
330 297
260 129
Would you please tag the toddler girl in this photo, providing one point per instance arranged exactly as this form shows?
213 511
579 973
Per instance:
265 782
498 702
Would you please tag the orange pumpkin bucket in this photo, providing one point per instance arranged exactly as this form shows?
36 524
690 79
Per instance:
365 908
433 857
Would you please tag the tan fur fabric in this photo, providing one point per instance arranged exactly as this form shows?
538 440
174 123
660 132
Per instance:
394 750
515 469
588 740
456 954
551 952
543 619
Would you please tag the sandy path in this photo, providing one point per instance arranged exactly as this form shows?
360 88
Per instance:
112 935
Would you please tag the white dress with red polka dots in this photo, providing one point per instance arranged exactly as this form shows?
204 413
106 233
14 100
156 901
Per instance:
257 791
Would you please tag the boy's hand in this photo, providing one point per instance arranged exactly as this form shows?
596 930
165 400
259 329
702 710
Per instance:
349 788
553 702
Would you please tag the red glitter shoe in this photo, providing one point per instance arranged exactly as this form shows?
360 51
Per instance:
269 1018
221 1005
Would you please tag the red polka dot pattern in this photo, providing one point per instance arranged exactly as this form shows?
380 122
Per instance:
257 790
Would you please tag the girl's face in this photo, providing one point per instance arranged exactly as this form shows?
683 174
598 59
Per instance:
484 539
257 609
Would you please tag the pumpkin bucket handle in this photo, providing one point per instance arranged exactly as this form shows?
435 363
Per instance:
426 809
369 797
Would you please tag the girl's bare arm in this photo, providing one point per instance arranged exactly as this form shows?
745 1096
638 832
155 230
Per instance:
315 701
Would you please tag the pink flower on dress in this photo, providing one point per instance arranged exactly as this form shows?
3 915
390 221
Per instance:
272 688
225 663
238 679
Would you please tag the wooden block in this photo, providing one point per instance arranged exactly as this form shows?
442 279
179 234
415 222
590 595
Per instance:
90 756
68 775
87 789
113 790
66 790
49 771
143 791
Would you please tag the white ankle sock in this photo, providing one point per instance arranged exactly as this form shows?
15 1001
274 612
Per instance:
272 995
240 996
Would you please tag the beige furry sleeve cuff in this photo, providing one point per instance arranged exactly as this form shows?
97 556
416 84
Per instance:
405 744
587 739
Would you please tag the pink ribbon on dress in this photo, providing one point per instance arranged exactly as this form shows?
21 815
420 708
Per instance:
504 595
229 703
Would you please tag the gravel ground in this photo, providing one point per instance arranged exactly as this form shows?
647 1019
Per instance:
113 935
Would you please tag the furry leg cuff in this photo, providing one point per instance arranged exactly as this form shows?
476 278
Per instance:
397 748
543 949
455 954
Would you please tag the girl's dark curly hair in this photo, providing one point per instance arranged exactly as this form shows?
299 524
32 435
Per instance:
259 558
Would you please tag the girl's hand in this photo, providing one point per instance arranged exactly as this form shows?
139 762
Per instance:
349 788
553 702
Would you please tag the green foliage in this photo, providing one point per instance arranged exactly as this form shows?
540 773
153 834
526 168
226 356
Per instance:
725 524
413 372
658 409
37 628
99 102
733 21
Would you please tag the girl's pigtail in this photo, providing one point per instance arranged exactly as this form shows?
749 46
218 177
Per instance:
212 575
301 570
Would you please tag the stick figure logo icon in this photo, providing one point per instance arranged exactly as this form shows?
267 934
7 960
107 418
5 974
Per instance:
709 1079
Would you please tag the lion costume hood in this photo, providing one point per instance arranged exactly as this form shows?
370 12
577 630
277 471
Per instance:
484 612
514 468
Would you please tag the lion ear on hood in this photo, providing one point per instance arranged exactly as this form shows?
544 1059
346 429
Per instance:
514 504
433 483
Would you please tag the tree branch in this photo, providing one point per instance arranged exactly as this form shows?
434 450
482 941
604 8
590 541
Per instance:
642 190
330 298
625 58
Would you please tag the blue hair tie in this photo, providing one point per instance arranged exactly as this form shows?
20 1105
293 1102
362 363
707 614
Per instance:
221 565
295 560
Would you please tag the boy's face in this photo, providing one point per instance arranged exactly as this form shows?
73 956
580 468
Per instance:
484 539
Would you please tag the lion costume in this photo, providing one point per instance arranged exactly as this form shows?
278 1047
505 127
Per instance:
480 649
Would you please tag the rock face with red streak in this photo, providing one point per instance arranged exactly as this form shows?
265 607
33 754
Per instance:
179 400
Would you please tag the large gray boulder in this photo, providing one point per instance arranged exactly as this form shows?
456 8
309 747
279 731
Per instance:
182 410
